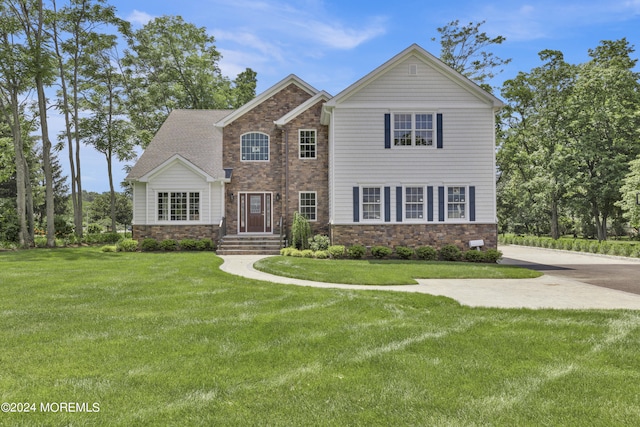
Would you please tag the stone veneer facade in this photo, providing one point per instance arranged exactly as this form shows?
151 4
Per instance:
284 165
415 235
176 232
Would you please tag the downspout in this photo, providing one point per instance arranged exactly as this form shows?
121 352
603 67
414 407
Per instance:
286 174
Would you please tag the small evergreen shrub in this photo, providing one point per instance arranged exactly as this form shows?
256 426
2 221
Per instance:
321 254
404 252
169 245
492 256
188 245
149 244
474 256
319 243
296 253
356 251
109 248
450 253
307 253
205 245
127 245
300 232
336 251
109 238
427 253
381 251
94 229
286 251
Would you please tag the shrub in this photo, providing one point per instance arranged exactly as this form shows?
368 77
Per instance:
127 245
109 248
296 253
205 245
300 232
474 256
149 244
381 251
404 252
356 251
450 253
427 253
188 245
307 253
492 256
108 238
169 245
319 243
321 254
95 229
336 251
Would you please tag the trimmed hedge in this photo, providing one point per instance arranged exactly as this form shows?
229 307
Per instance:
608 247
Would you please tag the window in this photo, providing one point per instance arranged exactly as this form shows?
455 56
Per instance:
371 203
414 202
178 206
411 129
308 205
456 202
307 144
254 147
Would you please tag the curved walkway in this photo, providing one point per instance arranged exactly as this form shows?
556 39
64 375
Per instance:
548 291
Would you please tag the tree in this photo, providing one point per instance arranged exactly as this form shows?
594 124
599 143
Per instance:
630 191
605 128
465 50
106 128
100 209
174 64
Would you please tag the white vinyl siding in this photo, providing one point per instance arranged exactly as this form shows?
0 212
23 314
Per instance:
177 177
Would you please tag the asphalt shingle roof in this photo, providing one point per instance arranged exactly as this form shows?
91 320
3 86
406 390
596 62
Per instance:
190 134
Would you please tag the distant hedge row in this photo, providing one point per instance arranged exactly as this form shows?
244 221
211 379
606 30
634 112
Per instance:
168 245
617 248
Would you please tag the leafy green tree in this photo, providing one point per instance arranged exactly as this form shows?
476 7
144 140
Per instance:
173 64
100 209
466 50
630 191
605 128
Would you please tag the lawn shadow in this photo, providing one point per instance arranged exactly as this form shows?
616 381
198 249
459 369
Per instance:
532 265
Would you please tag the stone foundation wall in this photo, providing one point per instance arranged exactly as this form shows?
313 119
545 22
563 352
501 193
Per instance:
415 235
177 232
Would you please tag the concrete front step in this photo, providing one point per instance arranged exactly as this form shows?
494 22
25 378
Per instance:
249 245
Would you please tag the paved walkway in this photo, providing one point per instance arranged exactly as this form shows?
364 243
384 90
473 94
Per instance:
548 291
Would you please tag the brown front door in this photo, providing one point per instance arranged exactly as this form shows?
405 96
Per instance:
255 213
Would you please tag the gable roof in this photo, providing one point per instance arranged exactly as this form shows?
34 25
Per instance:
190 135
428 58
291 78
321 96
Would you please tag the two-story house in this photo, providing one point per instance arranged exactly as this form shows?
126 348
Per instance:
404 156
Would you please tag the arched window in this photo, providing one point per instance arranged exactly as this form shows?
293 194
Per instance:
254 147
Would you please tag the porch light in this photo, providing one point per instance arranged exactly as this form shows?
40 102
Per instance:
230 195
278 197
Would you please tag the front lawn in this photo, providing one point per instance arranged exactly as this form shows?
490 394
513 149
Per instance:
157 339
385 272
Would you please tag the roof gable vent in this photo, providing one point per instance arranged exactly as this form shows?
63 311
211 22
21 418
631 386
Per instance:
413 69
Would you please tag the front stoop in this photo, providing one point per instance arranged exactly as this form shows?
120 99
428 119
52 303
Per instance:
249 244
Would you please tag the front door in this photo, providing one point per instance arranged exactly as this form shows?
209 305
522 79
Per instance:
255 213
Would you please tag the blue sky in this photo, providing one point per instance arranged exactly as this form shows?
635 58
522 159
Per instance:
331 44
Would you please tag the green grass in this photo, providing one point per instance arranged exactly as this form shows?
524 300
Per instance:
169 339
385 272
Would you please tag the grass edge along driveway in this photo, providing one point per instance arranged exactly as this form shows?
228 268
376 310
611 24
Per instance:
169 339
385 272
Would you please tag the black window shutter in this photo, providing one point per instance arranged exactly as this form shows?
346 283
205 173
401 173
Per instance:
440 203
387 204
472 203
398 204
439 138
387 130
356 204
429 203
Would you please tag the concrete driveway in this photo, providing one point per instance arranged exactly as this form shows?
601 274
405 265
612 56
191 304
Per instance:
622 274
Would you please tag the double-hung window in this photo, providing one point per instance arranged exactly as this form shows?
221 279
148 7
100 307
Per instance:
371 203
456 202
308 205
413 130
178 206
414 202
307 143
254 147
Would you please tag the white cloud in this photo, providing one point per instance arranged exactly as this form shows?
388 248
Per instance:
140 18
337 36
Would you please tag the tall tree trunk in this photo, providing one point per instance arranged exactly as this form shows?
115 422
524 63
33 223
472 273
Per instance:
112 192
21 172
555 227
